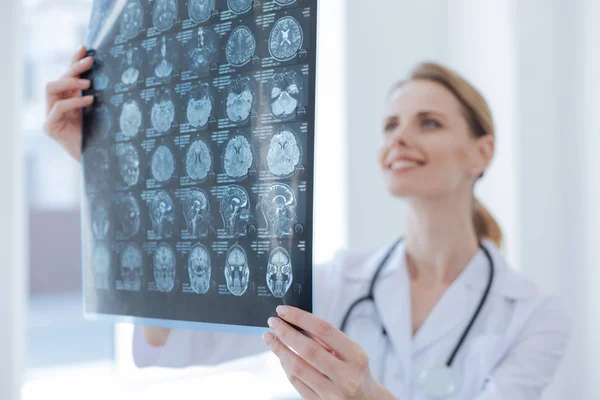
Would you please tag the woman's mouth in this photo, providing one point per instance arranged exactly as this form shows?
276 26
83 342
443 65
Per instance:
404 165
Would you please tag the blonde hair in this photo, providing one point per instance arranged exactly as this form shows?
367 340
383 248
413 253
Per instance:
478 117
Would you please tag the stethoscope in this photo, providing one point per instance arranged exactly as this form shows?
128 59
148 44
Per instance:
436 382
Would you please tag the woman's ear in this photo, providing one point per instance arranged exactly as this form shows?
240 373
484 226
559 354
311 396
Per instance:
485 147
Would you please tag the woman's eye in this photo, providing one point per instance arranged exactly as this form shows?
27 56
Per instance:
390 127
430 123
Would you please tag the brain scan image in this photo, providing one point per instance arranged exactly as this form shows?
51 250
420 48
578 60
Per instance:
240 47
131 267
238 157
101 121
285 94
164 14
131 66
197 213
237 271
198 160
240 95
285 2
102 76
101 267
96 166
203 51
164 267
285 39
279 272
162 113
278 206
235 210
200 10
130 120
199 269
164 58
239 6
284 153
162 215
132 19
100 220
129 164
128 214
163 164
200 105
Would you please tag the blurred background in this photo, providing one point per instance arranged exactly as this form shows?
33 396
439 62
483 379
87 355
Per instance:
535 61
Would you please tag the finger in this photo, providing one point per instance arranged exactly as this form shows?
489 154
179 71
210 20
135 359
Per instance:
62 85
63 106
293 365
79 67
79 54
311 351
346 349
302 389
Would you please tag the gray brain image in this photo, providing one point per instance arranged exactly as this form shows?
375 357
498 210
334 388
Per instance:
131 65
164 58
163 164
197 213
240 47
96 167
240 96
132 19
279 272
102 76
238 157
239 6
100 220
199 106
128 214
164 14
198 160
235 210
285 94
237 271
162 215
200 10
284 153
101 267
164 267
129 164
162 114
203 50
278 206
130 120
285 39
131 267
101 121
199 269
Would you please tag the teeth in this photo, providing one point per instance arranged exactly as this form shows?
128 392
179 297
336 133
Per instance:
403 164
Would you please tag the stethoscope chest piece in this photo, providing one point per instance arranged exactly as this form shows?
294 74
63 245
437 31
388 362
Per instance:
438 382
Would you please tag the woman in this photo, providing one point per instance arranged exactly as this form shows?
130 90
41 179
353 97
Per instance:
444 295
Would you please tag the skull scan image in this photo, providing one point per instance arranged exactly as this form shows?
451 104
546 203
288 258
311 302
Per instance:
199 269
238 157
131 267
198 160
278 206
162 114
203 50
200 10
162 215
131 65
101 266
164 14
164 267
235 210
163 164
128 214
199 106
102 76
100 220
164 58
285 2
285 39
96 166
130 119
284 153
132 19
101 122
285 94
279 272
129 164
239 6
240 95
197 213
240 47
237 271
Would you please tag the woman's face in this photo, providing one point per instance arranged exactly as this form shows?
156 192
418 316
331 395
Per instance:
428 150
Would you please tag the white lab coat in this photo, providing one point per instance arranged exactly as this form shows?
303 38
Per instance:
511 353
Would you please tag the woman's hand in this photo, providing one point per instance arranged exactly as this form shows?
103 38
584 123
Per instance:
328 366
64 103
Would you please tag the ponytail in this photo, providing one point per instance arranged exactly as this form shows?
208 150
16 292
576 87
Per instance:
486 226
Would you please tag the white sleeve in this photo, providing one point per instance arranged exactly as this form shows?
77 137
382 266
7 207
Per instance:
531 364
195 348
